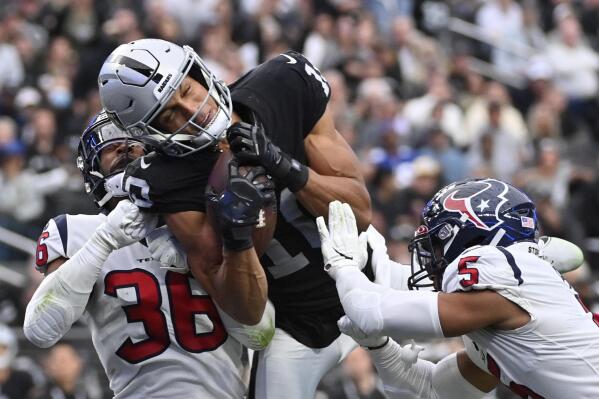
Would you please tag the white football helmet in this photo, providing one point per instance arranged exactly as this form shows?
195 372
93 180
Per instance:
139 78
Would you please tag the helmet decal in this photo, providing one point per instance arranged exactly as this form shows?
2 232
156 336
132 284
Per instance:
486 206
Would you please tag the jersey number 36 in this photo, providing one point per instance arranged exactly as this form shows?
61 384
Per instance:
184 307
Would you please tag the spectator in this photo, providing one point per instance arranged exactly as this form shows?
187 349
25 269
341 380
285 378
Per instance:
502 21
439 146
417 54
496 153
23 190
577 78
64 368
550 177
320 46
14 384
11 67
425 180
477 116
419 111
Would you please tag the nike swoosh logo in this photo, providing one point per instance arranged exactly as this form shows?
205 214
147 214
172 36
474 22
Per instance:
291 59
144 165
344 255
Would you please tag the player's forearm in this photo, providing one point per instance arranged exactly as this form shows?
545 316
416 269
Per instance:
320 190
426 379
256 336
378 310
238 285
62 296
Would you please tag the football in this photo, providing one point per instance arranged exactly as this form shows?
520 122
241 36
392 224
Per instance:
264 230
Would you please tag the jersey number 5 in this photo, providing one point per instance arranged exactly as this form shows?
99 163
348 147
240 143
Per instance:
184 307
472 272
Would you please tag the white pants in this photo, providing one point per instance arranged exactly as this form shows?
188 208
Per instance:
287 369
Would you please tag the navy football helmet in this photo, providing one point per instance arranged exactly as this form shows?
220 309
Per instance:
100 185
464 214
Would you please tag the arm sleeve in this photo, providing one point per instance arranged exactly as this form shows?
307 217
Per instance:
387 273
62 296
379 310
256 337
426 379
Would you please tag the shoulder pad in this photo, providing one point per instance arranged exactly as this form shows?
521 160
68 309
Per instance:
483 267
63 236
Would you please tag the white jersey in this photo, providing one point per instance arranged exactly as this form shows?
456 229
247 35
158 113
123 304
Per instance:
157 333
556 354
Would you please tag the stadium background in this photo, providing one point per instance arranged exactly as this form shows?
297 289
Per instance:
426 92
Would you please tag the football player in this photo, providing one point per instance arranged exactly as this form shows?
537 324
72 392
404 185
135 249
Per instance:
521 322
157 332
165 95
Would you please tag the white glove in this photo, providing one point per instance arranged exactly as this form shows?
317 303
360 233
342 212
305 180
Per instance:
125 225
379 248
165 248
341 246
409 353
347 327
563 255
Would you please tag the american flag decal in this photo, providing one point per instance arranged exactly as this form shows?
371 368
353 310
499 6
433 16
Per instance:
527 222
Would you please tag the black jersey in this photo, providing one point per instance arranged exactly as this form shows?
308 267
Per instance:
288 96
160 184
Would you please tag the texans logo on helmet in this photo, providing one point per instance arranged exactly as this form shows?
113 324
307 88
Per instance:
476 206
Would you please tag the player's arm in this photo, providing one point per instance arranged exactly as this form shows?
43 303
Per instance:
62 296
378 310
334 173
454 377
238 283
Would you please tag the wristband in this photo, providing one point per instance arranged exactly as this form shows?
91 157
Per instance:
237 239
372 348
291 172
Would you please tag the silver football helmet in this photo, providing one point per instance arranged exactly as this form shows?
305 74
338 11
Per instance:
139 78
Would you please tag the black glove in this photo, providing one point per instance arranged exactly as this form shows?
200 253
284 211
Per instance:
250 145
238 207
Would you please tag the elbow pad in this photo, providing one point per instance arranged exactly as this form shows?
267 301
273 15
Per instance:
47 319
256 337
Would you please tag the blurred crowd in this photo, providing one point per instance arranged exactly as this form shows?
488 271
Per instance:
426 92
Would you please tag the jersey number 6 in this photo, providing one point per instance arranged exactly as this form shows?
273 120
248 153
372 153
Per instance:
184 306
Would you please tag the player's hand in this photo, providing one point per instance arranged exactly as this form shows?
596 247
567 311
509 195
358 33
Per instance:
165 249
340 242
563 255
409 353
347 327
125 225
250 145
240 204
